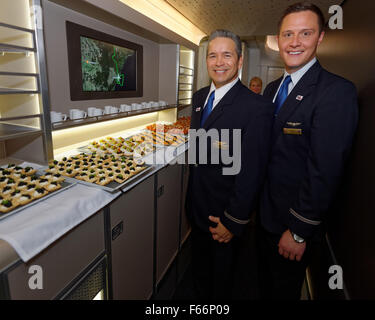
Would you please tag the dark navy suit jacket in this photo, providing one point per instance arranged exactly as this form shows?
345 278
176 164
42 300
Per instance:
230 197
312 137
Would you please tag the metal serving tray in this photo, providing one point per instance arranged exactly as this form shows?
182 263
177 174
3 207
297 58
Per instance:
64 186
112 186
170 145
86 150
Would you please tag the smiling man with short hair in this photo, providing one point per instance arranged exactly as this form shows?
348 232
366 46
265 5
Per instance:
217 204
316 117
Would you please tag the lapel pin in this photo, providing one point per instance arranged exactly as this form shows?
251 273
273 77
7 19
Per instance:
198 109
299 98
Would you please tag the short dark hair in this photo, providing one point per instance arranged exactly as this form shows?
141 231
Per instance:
220 33
304 6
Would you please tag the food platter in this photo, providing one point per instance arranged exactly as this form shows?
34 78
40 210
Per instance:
132 146
38 185
108 173
113 186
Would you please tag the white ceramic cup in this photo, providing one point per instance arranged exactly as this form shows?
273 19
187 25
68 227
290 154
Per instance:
91 111
124 108
58 116
71 111
77 114
107 109
98 112
110 110
134 106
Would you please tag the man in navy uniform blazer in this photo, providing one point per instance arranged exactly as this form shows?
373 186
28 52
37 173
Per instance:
219 204
315 120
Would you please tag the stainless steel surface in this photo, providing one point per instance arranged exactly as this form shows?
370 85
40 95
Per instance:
61 262
132 251
11 131
8 255
41 57
112 186
13 48
10 26
64 186
167 218
20 74
177 71
17 91
21 117
79 122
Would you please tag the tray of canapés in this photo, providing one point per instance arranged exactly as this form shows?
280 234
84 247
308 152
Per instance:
160 138
180 127
22 187
109 173
133 146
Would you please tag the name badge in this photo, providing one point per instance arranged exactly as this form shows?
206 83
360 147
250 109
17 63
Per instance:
292 131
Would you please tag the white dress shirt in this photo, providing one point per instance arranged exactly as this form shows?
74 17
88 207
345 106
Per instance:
295 76
221 92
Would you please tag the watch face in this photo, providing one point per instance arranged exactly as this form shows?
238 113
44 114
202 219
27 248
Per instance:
298 239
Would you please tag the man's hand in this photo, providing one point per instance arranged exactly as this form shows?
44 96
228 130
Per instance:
289 248
220 232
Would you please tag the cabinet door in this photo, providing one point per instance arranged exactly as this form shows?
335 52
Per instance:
60 263
185 225
132 232
167 218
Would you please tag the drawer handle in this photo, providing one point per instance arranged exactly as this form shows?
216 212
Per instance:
160 191
117 230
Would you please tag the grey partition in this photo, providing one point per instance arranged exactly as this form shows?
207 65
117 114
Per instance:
185 225
132 225
60 265
167 217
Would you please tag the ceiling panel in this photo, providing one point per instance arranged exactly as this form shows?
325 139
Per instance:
244 17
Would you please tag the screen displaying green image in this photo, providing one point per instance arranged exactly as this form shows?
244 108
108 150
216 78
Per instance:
107 67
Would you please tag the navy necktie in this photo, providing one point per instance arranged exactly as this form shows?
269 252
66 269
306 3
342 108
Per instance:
282 94
208 108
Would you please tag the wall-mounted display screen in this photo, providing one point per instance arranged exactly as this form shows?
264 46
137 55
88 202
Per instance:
106 67
102 66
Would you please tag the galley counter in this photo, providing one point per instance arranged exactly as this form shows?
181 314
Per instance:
110 245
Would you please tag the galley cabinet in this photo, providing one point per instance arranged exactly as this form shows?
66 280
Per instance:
168 193
64 266
132 236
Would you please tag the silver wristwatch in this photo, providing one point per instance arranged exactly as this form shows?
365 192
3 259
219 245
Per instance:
296 238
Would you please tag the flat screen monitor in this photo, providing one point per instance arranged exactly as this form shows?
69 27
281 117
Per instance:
102 66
